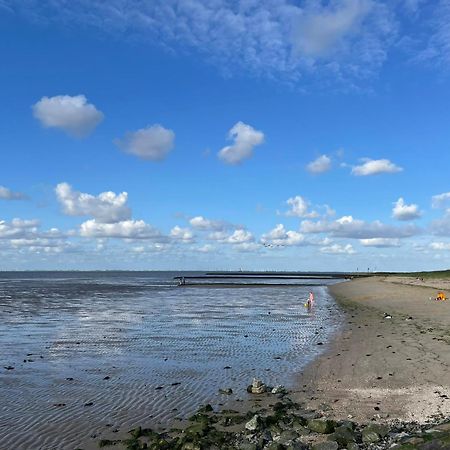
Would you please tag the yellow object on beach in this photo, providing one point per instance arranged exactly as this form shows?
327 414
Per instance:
441 296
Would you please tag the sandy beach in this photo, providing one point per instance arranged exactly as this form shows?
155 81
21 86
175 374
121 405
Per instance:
385 368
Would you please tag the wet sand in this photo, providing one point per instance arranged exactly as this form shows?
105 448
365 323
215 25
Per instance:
384 368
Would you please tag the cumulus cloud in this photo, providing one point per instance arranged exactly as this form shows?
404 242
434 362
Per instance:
152 143
107 207
320 165
240 236
279 237
126 229
441 200
375 167
18 228
72 114
380 242
245 138
25 235
348 227
7 194
338 249
404 212
299 207
201 223
182 234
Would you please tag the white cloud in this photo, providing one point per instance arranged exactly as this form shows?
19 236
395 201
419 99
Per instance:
441 200
441 227
240 236
279 237
380 242
152 143
445 246
107 207
337 249
126 229
344 40
375 167
246 138
404 212
320 165
74 115
320 32
18 228
201 223
181 234
7 194
219 236
247 247
205 248
348 227
299 207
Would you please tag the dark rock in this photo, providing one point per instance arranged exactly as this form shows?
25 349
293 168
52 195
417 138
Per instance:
352 446
226 391
343 435
381 430
322 426
327 445
275 446
205 409
198 429
287 436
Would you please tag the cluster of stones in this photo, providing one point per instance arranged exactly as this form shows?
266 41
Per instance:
284 425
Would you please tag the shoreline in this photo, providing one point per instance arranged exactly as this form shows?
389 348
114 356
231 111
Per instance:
379 368
382 381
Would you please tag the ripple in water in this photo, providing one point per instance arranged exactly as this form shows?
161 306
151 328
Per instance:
122 349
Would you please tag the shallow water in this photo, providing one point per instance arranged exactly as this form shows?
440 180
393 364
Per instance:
165 349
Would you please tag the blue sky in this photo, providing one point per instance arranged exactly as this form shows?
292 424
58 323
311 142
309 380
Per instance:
194 134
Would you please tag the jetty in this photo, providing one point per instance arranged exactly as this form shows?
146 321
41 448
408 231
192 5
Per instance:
261 279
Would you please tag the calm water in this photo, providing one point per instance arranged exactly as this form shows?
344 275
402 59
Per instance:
163 349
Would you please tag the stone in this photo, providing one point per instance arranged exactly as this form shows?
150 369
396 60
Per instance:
370 437
296 446
381 430
352 446
343 435
246 445
279 390
197 429
287 436
206 408
274 446
327 445
257 387
254 423
321 426
300 429
226 391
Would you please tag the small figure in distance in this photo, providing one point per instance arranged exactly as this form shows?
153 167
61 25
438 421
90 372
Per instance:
310 302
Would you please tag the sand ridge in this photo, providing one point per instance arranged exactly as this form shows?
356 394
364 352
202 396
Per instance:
384 368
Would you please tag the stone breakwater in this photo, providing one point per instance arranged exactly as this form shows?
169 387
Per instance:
275 422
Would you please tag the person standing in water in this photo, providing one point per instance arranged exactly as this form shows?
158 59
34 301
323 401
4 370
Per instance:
310 302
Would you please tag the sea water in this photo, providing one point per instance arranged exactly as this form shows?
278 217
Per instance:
119 349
